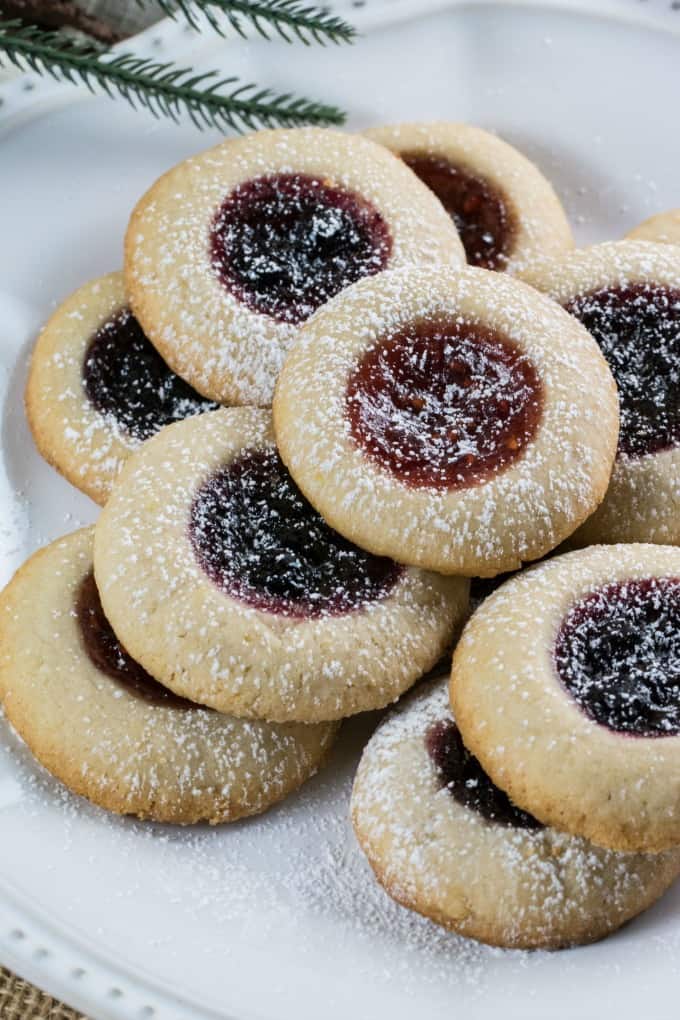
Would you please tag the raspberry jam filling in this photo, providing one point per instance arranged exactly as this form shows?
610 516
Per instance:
618 654
126 379
285 244
444 406
109 656
257 538
638 330
465 779
481 213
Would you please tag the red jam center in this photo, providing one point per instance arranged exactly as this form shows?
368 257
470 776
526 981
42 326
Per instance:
109 656
483 216
618 654
444 406
126 380
256 536
467 782
638 330
285 244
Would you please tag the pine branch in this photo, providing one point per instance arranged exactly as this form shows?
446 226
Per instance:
162 88
289 18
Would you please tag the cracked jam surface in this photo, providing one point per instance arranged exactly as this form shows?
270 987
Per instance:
482 215
618 655
444 406
465 779
285 244
638 330
257 538
126 380
108 655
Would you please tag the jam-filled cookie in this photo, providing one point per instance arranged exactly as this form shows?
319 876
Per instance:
459 422
627 294
97 388
664 228
506 212
105 728
566 686
220 578
445 841
232 250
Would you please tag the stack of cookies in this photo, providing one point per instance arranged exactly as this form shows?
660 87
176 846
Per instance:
339 377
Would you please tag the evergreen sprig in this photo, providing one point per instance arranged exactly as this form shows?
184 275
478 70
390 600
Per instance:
291 19
162 88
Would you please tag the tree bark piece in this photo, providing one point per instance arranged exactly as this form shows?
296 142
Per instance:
60 14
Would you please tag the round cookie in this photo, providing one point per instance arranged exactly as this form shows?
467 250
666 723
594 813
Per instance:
97 388
221 579
627 294
229 252
108 731
446 842
566 686
664 228
506 212
458 422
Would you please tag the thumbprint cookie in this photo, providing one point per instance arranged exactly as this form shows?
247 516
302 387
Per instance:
627 295
566 686
445 841
506 212
97 388
459 422
232 250
222 581
664 228
99 722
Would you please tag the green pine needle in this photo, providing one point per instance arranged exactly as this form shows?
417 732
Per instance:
162 88
289 18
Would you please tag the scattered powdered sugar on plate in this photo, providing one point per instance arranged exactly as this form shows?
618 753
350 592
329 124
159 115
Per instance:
302 864
292 874
41 505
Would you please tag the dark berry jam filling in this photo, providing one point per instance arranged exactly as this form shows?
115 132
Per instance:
638 330
256 536
465 779
126 379
109 656
444 406
618 655
483 216
286 244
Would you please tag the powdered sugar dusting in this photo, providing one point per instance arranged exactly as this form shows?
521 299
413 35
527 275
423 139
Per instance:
519 513
513 885
618 653
507 212
627 293
220 650
207 334
141 754
97 388
126 380
638 330
259 540
285 244
444 405
563 763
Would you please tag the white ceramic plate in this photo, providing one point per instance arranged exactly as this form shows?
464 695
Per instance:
278 917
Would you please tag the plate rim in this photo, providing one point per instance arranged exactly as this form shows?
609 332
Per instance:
34 945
